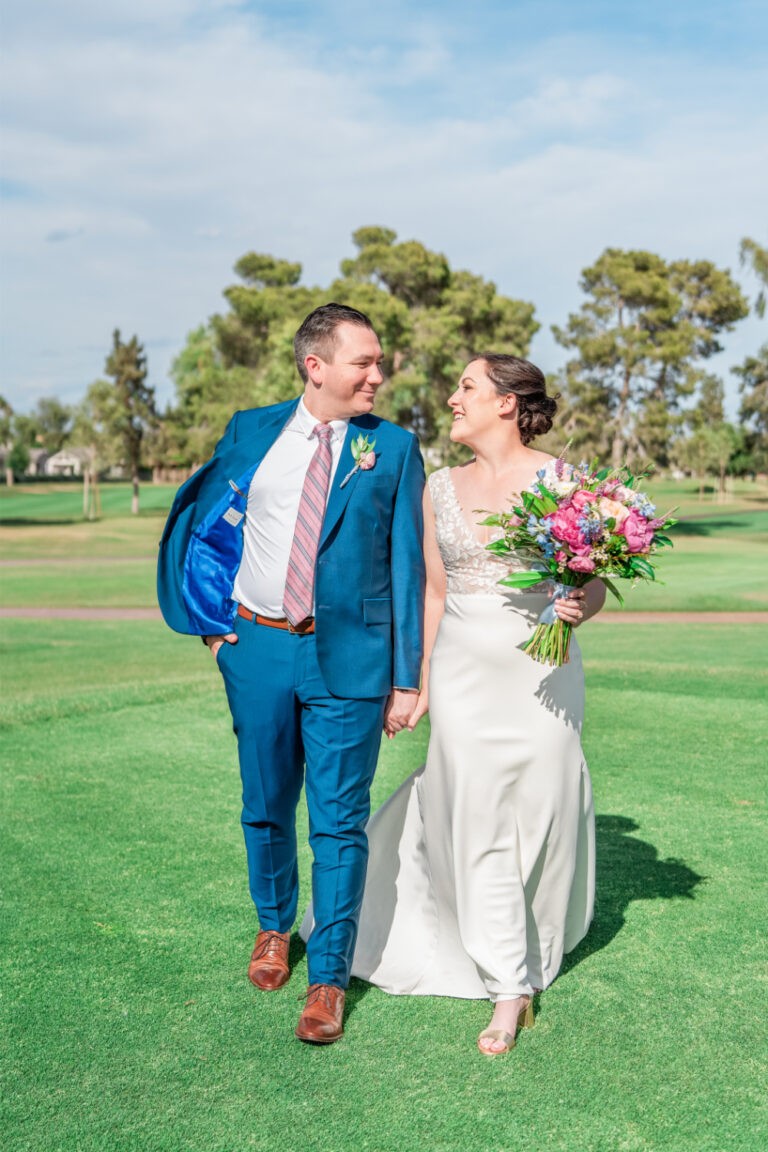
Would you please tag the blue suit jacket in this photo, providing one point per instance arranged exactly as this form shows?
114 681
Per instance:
369 585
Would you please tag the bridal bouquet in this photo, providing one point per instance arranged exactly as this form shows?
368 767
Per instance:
572 524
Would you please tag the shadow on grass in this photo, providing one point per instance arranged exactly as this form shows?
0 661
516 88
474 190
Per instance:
628 869
357 990
24 521
704 527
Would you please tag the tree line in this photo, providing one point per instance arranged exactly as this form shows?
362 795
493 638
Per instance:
635 386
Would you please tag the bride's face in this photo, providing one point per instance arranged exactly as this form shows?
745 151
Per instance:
476 405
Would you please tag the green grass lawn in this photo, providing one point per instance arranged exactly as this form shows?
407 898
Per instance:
126 1019
718 563
58 560
45 521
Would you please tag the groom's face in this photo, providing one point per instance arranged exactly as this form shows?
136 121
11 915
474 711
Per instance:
346 385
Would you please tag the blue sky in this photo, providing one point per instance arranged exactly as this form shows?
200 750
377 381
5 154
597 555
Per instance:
147 144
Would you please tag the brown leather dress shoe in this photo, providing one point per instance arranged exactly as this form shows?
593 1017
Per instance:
321 1019
268 968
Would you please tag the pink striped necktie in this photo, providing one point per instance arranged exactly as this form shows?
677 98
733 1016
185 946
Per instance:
300 578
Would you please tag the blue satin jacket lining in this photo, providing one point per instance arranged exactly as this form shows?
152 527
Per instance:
213 559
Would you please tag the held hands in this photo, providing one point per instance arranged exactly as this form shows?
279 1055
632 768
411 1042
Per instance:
215 642
398 711
421 709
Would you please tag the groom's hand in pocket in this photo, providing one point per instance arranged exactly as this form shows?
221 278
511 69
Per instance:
215 642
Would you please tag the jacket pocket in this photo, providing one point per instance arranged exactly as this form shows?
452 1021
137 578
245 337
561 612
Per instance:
378 610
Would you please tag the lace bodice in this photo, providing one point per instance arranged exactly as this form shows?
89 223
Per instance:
469 568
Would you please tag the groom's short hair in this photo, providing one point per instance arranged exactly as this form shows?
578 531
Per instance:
318 332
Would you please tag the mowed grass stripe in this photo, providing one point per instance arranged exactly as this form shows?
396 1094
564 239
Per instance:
127 1020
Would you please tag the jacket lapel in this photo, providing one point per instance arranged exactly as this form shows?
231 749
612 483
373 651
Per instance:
245 456
248 453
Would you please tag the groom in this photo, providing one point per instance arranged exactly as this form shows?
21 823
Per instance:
295 552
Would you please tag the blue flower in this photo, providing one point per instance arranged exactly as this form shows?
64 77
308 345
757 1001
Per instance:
591 527
546 545
644 506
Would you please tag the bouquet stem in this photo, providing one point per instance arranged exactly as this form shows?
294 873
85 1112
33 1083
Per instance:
550 643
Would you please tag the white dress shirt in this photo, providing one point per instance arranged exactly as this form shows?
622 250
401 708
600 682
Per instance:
273 504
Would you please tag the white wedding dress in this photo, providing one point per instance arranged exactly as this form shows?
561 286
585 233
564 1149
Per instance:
481 868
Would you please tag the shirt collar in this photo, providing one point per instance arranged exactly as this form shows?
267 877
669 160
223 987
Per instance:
304 422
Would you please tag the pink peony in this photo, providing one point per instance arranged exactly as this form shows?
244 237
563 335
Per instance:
367 461
561 557
565 525
581 564
582 497
637 531
626 495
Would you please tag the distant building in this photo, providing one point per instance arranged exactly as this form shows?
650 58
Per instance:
67 462
38 458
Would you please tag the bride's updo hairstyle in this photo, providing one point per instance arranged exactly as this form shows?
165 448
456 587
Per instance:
512 376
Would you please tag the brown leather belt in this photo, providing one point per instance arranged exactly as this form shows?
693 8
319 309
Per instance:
305 628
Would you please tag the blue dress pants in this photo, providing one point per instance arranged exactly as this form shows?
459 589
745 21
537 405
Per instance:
285 718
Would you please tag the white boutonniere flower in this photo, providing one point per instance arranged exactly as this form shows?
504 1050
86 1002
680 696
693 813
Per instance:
363 455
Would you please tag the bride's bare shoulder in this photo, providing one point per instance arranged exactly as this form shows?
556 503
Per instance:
541 459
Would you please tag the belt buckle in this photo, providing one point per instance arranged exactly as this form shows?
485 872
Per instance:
302 626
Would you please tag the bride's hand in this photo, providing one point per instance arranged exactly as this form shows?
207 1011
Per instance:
570 609
421 709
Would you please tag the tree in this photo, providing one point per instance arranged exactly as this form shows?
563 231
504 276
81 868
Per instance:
207 393
52 421
639 339
128 410
710 447
753 412
709 450
6 433
752 253
269 295
18 458
19 433
431 320
753 372
93 430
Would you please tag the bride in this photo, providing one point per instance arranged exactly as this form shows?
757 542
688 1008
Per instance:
481 867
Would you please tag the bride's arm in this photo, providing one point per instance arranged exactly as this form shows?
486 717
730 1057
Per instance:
434 604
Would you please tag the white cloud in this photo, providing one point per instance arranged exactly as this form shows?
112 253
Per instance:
163 140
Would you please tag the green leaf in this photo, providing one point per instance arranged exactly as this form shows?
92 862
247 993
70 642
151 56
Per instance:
643 567
548 497
613 589
523 579
498 547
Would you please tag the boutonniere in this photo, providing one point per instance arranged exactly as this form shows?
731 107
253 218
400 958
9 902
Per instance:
363 455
